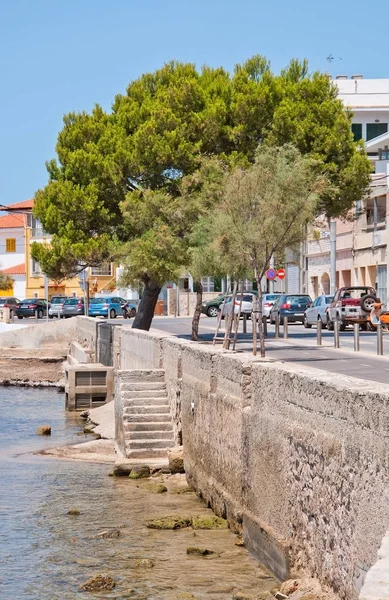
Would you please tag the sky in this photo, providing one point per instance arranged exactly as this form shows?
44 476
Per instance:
58 56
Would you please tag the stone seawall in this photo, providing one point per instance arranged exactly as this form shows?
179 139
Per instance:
296 458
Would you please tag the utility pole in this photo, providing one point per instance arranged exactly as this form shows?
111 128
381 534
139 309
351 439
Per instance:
332 256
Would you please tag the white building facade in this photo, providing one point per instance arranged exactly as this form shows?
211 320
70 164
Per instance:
12 253
361 244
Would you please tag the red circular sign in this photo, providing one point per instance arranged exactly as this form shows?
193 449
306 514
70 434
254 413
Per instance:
281 274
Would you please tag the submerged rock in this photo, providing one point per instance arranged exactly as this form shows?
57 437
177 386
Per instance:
97 583
109 534
44 430
184 596
176 459
169 523
157 488
73 512
144 563
185 490
209 522
122 470
140 472
199 551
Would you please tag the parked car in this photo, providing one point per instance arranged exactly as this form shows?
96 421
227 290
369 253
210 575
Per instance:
317 312
11 303
73 307
247 304
105 307
212 307
56 306
31 307
351 305
292 306
267 303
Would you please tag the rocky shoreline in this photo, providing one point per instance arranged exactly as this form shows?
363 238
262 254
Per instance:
32 372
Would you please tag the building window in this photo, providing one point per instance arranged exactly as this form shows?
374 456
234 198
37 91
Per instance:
384 154
10 245
208 284
102 270
373 130
376 211
356 129
35 267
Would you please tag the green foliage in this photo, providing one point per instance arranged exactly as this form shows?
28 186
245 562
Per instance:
265 209
137 183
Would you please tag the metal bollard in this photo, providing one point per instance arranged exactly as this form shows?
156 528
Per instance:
356 337
264 326
244 322
336 333
277 328
285 328
318 333
36 315
380 340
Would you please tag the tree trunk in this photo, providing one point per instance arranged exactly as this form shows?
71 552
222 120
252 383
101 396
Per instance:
197 311
260 321
145 313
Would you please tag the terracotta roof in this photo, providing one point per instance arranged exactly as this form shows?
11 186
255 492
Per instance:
12 221
19 205
16 270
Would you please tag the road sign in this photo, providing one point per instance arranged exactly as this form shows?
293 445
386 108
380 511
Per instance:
281 274
271 274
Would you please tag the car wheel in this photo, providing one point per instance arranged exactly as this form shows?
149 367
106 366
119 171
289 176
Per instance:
306 324
342 326
40 314
368 301
50 316
20 317
112 314
320 320
133 312
212 311
330 325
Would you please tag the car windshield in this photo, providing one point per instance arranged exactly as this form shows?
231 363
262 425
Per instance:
72 301
99 301
57 300
355 293
30 300
298 299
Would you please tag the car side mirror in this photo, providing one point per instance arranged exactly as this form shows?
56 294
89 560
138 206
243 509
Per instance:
309 304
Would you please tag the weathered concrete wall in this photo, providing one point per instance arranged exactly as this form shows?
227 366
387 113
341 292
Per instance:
53 334
141 349
86 331
296 458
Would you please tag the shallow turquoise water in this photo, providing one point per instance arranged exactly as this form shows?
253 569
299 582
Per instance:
46 554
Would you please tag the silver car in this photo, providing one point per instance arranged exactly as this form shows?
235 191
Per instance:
247 304
317 311
267 303
56 307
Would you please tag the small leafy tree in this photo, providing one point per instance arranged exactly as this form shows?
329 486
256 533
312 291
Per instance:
265 210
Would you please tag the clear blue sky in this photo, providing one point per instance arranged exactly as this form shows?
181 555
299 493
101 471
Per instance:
58 56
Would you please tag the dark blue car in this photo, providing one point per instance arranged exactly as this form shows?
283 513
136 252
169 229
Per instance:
292 306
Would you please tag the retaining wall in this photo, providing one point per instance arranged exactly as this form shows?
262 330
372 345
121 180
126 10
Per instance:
86 332
295 458
56 333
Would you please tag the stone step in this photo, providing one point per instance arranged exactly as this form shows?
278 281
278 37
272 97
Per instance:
147 418
142 386
143 394
146 453
142 375
149 444
145 402
148 426
150 435
136 409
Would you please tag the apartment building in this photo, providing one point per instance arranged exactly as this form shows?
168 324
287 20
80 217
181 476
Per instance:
361 244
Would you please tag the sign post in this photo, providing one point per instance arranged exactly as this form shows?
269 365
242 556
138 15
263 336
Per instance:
46 285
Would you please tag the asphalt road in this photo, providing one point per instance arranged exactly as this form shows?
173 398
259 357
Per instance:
300 347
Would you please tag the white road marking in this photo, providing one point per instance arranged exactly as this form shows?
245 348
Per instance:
364 365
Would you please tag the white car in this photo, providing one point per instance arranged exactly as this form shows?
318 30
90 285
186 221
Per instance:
247 304
267 303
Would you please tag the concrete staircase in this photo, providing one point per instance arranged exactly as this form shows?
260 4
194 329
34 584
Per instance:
148 430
